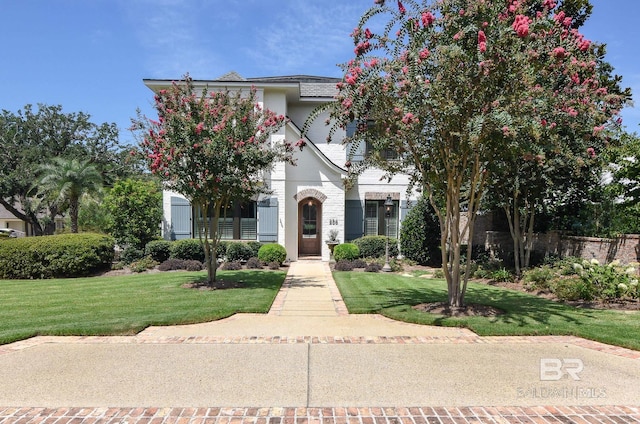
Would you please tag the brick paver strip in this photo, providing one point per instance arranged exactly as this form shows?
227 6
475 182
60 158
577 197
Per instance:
303 415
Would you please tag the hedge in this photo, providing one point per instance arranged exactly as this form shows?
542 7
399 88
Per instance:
59 256
374 246
346 252
272 252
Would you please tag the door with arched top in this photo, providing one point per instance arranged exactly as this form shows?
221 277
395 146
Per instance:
309 227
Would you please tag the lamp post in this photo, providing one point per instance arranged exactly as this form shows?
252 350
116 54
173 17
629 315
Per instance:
388 204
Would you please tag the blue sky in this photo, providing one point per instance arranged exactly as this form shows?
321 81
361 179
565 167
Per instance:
91 55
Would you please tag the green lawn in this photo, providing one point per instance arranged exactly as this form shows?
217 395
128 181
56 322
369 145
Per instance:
394 295
126 304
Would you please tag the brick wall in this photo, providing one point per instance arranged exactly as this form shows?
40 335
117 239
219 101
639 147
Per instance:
625 248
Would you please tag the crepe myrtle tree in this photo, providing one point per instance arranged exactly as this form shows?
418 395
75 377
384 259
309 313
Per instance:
212 147
453 85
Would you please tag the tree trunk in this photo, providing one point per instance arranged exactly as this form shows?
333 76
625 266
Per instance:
73 213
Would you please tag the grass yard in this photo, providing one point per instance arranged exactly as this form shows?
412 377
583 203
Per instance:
126 304
394 295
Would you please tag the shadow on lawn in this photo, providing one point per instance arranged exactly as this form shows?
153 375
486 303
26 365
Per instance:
245 279
520 309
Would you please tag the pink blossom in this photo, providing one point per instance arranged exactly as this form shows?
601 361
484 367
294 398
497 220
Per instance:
424 53
591 152
461 12
347 103
368 34
549 4
521 26
199 128
559 52
457 36
409 118
543 122
481 37
427 18
505 130
483 47
401 8
598 129
572 112
362 48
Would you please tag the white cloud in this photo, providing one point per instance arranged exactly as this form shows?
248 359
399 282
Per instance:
305 37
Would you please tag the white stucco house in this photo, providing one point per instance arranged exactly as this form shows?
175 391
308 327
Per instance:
308 200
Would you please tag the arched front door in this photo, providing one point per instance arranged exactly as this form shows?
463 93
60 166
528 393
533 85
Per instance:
309 227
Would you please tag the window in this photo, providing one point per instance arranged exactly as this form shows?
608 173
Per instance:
237 222
375 223
309 220
358 153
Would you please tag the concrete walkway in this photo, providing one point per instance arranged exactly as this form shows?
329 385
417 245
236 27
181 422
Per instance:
308 360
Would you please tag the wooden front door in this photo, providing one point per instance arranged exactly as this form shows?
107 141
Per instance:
309 229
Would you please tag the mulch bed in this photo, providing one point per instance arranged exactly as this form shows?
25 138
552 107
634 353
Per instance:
218 285
443 308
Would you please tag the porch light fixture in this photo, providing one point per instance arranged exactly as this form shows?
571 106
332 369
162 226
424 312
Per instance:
388 204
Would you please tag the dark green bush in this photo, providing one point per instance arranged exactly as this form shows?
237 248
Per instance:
131 254
188 249
346 251
272 253
222 248
64 255
420 234
374 246
359 263
238 251
255 247
159 250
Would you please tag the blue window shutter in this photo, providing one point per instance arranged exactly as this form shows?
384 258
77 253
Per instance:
180 218
353 220
405 208
268 220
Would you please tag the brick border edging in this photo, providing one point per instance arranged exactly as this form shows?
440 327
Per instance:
330 415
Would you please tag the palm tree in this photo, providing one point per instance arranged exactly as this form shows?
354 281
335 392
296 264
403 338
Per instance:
68 179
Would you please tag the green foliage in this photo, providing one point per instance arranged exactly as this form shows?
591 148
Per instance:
143 264
136 210
502 275
255 247
373 267
346 251
159 250
420 234
65 181
66 255
238 251
188 249
539 278
32 137
374 246
573 288
272 253
131 254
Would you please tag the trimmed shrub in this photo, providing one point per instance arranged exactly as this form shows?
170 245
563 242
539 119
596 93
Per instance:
222 249
272 252
188 249
274 266
131 254
346 251
254 263
374 246
231 266
64 255
420 234
373 267
239 251
359 263
255 248
176 264
343 265
159 250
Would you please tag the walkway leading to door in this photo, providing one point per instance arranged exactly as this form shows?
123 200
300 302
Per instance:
309 290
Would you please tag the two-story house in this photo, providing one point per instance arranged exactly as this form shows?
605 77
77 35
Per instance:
307 200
